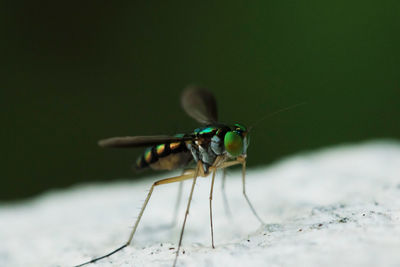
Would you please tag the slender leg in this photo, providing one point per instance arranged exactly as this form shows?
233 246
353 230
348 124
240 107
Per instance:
241 160
244 191
187 176
226 204
211 220
179 198
199 165
178 201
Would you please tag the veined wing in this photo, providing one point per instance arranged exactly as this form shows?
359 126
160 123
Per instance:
139 141
200 104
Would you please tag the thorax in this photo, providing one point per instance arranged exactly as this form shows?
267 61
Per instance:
207 144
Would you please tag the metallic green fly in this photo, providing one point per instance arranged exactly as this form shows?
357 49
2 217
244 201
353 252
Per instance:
208 148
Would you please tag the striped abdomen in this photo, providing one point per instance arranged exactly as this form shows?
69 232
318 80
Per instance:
168 156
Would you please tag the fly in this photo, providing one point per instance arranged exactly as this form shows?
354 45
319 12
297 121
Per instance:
208 148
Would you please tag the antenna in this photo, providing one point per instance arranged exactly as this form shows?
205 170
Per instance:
276 112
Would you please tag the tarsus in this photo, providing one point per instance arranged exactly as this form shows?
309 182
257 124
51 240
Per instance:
104 256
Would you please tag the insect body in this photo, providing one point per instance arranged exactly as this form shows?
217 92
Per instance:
208 148
205 144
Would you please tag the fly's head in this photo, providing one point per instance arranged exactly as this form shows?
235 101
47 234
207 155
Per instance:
236 141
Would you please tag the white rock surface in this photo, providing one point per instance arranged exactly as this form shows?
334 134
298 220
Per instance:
334 207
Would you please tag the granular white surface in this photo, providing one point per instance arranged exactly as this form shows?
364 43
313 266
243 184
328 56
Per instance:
334 207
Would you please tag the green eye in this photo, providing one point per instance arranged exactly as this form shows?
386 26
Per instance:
233 143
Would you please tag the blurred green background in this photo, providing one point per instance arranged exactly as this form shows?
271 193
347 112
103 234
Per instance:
75 72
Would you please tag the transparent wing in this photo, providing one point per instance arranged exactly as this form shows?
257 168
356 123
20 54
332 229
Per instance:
138 141
200 104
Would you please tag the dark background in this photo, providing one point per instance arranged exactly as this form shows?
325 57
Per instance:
75 72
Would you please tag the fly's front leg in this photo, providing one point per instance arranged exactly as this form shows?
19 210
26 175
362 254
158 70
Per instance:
211 220
243 162
240 160
217 162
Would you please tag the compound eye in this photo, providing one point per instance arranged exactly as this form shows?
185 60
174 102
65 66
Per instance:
233 143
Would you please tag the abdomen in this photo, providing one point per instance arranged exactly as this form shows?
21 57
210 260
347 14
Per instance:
168 156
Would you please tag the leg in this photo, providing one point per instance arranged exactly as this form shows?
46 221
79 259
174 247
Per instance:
211 221
160 182
243 161
178 201
196 173
226 205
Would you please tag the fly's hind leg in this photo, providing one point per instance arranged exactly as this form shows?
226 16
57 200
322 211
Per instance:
198 171
187 175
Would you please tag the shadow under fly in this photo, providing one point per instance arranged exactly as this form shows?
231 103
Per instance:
208 148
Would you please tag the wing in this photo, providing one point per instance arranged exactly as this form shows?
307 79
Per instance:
138 141
200 104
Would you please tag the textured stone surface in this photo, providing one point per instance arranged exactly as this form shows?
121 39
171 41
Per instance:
334 207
